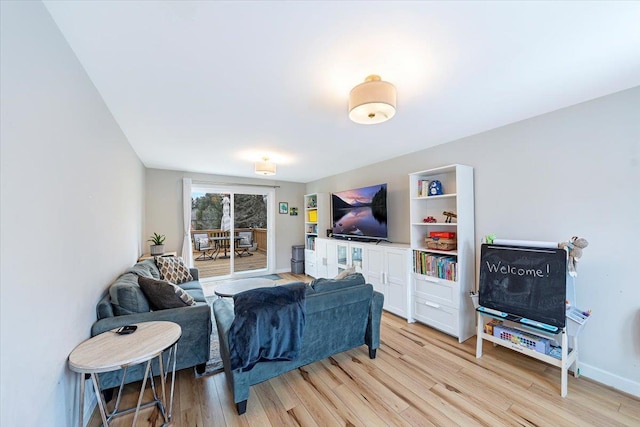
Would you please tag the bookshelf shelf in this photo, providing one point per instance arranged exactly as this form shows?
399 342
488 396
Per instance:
441 196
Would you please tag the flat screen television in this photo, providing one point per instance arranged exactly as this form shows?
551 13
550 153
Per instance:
360 213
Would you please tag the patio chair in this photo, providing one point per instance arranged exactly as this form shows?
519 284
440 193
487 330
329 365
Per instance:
202 244
244 243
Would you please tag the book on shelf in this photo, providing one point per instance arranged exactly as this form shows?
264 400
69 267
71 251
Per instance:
311 243
423 187
435 265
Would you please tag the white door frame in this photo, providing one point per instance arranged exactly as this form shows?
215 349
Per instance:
231 189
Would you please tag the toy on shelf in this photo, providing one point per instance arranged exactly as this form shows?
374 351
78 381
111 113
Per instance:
449 215
574 247
435 188
429 219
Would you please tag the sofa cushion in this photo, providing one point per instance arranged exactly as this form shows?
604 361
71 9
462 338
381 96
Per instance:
172 269
194 289
163 295
326 285
146 268
127 297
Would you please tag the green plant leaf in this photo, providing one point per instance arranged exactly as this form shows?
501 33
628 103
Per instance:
157 239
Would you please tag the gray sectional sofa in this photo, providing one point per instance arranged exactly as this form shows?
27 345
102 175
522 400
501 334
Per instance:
125 304
340 315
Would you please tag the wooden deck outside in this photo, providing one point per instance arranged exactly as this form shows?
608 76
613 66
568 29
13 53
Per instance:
220 266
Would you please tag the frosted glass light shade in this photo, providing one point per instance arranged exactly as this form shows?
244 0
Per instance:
373 101
265 167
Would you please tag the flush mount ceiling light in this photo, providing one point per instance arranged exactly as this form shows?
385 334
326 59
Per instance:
265 167
373 101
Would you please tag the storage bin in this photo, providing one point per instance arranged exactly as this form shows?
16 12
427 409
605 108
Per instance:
297 267
522 339
297 253
442 234
441 244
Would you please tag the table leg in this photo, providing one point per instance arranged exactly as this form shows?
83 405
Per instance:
144 383
162 380
81 409
173 379
101 403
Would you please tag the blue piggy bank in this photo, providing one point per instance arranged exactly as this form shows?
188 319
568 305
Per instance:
435 188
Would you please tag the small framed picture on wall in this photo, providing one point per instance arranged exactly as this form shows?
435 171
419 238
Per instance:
284 208
293 211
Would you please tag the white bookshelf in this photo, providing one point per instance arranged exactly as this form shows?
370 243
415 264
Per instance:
439 301
316 222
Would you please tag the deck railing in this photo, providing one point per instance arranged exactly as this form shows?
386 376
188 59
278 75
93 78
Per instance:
258 235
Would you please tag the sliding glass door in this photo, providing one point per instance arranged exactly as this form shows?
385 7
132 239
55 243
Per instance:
232 230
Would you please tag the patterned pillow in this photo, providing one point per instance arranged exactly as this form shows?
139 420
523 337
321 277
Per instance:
172 269
163 295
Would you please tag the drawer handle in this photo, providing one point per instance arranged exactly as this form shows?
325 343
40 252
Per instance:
432 304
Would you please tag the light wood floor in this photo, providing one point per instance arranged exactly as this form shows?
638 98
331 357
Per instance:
420 377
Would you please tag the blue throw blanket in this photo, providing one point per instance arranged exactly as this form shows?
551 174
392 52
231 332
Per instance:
268 325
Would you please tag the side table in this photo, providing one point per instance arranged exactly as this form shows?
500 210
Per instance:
149 256
109 352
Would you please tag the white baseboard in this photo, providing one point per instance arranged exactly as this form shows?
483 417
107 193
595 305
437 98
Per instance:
607 378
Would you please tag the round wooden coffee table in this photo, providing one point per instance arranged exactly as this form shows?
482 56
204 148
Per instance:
233 287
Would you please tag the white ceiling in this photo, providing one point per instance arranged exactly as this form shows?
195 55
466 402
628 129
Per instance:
212 86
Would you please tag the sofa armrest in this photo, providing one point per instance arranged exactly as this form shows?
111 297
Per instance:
372 336
194 273
186 317
224 315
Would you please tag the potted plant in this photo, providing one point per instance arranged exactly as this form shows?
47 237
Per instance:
157 240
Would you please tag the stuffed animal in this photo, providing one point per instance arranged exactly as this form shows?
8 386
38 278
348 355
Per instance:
574 247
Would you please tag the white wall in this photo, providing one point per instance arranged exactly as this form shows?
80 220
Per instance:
571 172
164 209
71 214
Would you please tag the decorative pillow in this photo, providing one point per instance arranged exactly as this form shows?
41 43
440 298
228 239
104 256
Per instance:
172 269
163 295
345 273
203 242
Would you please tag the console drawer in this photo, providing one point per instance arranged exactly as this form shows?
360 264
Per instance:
310 268
436 290
436 315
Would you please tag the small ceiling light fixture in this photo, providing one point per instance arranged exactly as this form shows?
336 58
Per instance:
373 101
265 167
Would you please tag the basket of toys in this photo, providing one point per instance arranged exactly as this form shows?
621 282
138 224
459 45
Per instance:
441 244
